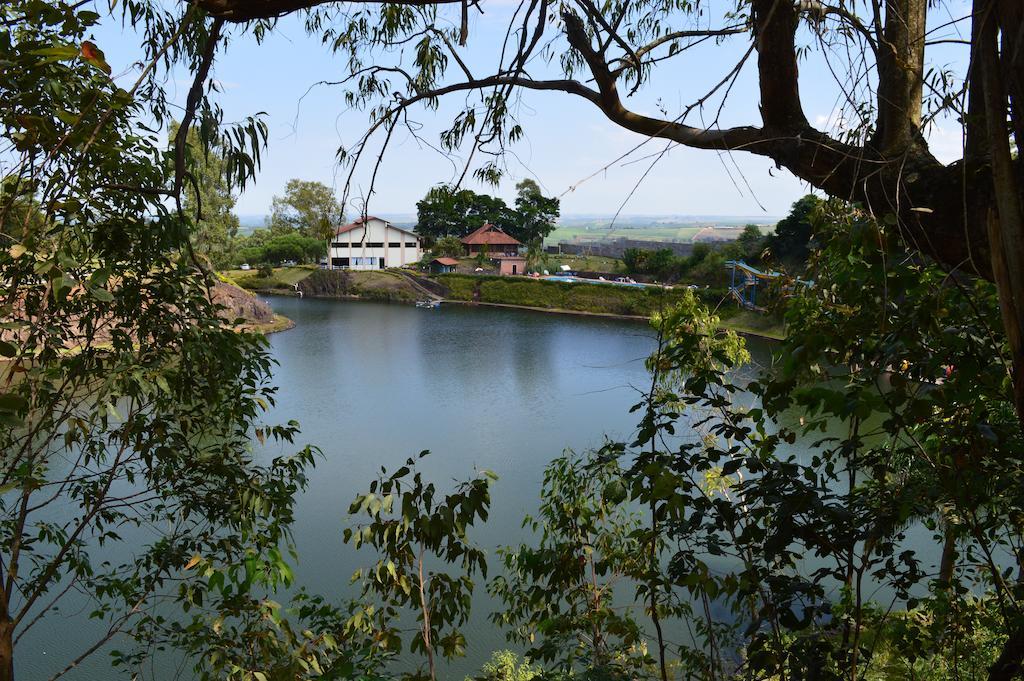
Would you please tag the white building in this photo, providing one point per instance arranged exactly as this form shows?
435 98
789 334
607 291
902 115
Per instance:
373 244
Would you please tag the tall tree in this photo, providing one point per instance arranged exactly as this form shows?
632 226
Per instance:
535 213
790 243
209 201
447 211
128 485
307 206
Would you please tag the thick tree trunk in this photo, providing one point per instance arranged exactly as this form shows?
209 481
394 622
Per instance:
6 650
900 75
1006 217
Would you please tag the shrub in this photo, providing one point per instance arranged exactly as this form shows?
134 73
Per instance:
327 283
505 666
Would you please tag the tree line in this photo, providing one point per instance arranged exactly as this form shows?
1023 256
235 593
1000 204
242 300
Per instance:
448 211
787 247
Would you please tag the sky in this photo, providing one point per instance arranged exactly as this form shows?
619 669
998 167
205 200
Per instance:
569 147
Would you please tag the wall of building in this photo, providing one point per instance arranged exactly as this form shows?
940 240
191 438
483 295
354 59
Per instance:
366 245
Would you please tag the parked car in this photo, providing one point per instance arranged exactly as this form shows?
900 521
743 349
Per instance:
288 263
245 267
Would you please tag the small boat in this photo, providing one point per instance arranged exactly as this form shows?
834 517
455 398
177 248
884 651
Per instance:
428 304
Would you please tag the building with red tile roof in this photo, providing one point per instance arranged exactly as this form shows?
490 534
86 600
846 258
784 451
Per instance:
492 241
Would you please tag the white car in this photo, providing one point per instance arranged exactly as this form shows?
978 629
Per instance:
245 267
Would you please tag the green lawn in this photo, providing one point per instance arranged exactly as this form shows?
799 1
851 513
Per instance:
284 277
584 263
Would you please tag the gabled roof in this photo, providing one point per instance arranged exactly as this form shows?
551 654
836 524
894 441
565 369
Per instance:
445 261
359 223
490 235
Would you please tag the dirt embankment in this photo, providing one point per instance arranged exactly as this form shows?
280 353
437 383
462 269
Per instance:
240 304
380 285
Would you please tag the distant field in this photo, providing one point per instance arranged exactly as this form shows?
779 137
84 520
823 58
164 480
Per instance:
593 233
585 263
684 233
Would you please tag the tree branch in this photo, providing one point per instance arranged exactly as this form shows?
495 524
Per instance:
240 11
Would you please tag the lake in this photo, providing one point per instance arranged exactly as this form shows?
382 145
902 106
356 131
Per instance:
500 389
373 384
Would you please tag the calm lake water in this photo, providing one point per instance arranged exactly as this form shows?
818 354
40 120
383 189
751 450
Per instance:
480 387
499 389
374 384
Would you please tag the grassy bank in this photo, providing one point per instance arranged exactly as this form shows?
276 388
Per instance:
283 277
597 299
555 295
753 323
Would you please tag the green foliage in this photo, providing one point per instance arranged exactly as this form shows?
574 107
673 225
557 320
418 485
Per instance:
209 201
535 213
790 243
413 528
505 666
446 211
555 295
733 515
558 596
447 247
935 449
128 405
264 246
308 208
749 244
327 283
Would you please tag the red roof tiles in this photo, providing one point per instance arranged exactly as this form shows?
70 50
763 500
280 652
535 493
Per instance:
359 223
490 235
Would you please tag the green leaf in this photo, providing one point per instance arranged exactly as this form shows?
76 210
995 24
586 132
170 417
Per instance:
102 294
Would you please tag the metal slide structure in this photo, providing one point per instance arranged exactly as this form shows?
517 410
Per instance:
745 280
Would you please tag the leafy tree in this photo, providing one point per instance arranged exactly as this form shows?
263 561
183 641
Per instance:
413 528
210 202
482 256
790 243
559 595
750 242
505 666
308 207
445 211
442 213
449 247
536 258
734 489
661 263
128 406
270 247
535 213
294 247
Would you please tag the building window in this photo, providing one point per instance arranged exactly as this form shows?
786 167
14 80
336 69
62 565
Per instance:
410 244
395 244
340 244
375 244
339 262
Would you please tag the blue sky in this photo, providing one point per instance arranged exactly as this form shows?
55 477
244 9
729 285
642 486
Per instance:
567 139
